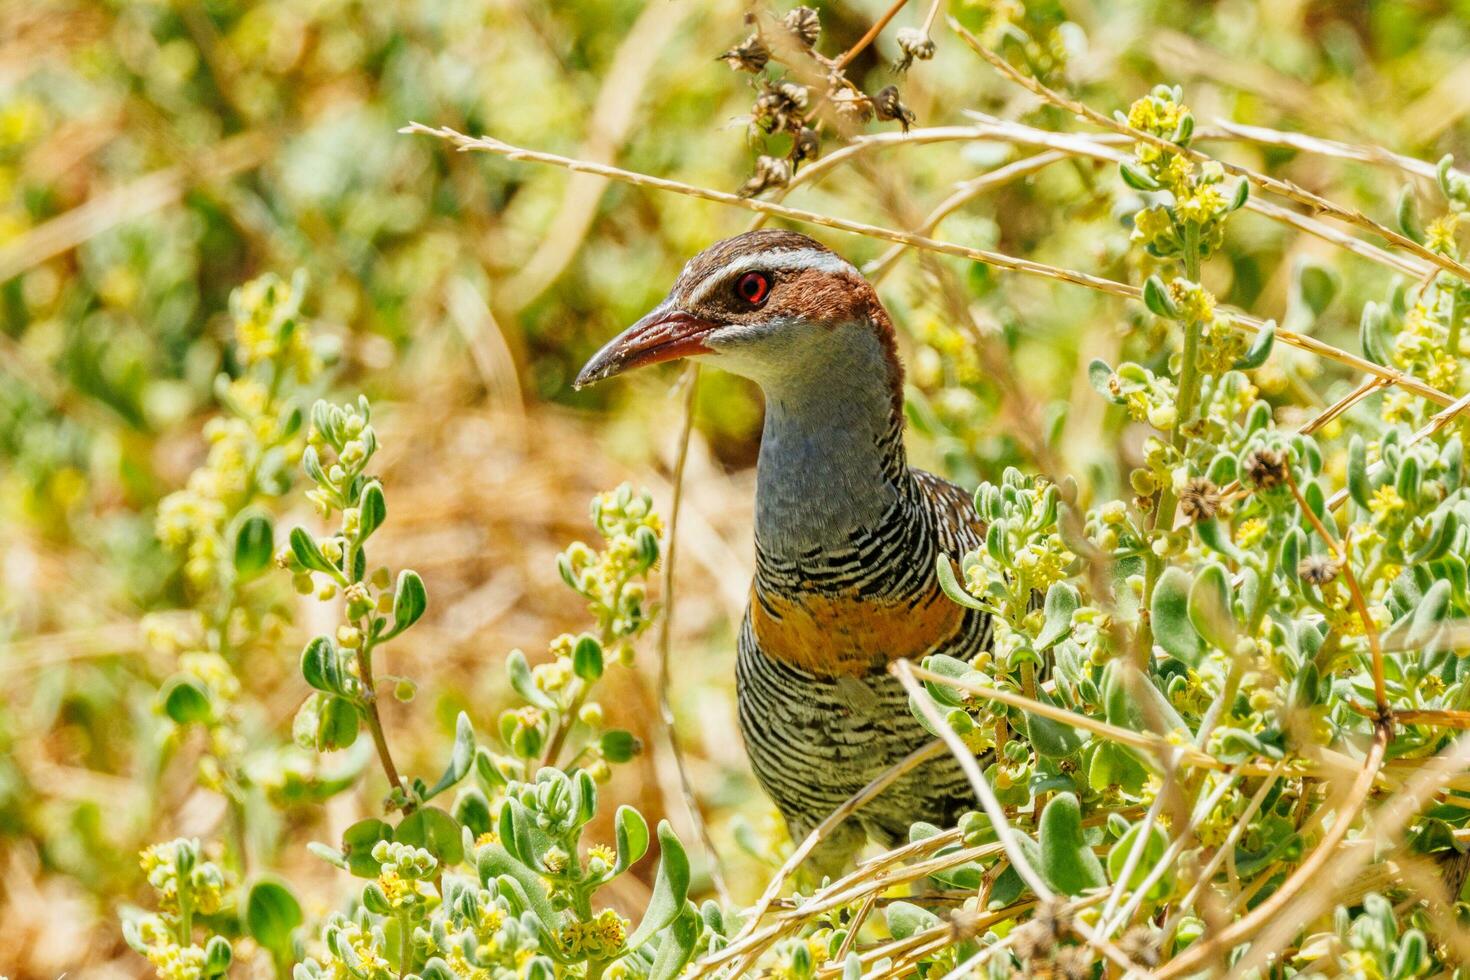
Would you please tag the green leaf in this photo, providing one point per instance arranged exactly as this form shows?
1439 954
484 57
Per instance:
495 864
460 759
358 841
1209 607
186 700
1067 863
1408 215
435 831
523 683
619 746
1357 472
587 658
254 545
217 956
1153 853
1156 298
670 887
951 585
472 810
305 548
1315 285
1130 700
409 600
632 838
321 667
272 915
1169 613
1260 348
1061 602
373 508
1135 178
1372 333
905 919
338 724
1050 738
676 946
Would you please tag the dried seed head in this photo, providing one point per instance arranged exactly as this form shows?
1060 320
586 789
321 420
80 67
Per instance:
1199 499
779 107
1318 569
769 172
1140 945
1265 468
914 45
852 107
1028 943
804 24
888 105
1073 963
1052 920
749 55
964 924
808 145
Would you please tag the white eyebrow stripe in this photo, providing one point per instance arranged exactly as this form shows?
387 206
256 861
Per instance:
786 260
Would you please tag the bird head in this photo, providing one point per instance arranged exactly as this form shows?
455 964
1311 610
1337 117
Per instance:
769 305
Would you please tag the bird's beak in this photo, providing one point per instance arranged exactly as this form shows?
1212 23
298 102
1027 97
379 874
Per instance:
665 334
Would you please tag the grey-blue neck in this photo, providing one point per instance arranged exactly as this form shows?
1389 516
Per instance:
831 458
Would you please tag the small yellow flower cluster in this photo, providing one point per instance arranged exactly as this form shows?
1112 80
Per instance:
598 938
1147 396
170 959
204 884
610 579
1195 218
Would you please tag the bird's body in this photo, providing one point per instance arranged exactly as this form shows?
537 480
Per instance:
846 533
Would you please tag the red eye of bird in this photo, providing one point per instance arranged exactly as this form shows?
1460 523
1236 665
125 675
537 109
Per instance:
753 287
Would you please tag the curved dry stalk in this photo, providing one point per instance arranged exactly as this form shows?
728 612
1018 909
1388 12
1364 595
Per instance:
1114 733
665 639
1263 914
903 670
830 823
1389 822
1328 148
999 260
1284 188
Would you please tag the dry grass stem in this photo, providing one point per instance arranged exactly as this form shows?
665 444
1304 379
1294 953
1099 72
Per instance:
1238 321
1284 188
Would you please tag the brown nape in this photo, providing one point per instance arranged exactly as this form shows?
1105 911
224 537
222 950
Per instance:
823 297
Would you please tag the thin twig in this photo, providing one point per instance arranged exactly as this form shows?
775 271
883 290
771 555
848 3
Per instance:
903 670
1284 188
1242 929
871 35
666 639
1238 321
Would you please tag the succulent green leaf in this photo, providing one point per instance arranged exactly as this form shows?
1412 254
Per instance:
357 846
670 887
676 946
587 658
951 586
435 831
272 915
1067 863
632 838
1260 348
1061 602
217 956
525 685
373 509
254 546
461 757
306 550
1153 853
409 600
1156 298
1210 607
905 919
1358 484
1169 611
1100 376
1050 738
320 666
186 700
